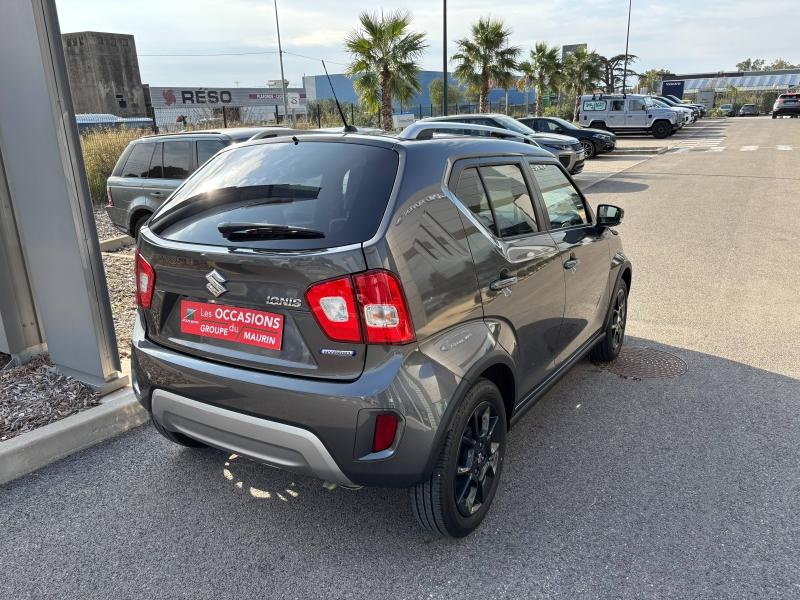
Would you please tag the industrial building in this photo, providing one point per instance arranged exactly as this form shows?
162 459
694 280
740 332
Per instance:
104 73
744 81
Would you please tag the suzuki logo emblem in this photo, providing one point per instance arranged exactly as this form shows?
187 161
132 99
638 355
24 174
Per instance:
215 283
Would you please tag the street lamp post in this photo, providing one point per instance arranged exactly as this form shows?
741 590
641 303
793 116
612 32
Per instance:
444 57
283 79
627 38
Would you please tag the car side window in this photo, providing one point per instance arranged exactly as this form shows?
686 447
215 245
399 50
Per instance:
208 148
510 199
552 127
177 159
138 162
472 194
635 104
617 105
156 167
565 207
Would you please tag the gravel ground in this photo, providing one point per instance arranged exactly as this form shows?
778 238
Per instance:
35 394
105 229
120 279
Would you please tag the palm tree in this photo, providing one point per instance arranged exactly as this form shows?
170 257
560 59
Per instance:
485 59
541 70
582 70
384 61
649 78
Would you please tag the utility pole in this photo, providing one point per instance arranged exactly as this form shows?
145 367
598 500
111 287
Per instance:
283 79
444 57
627 38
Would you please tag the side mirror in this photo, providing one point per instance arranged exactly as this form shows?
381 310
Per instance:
609 215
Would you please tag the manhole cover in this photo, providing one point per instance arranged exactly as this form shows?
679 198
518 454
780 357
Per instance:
646 363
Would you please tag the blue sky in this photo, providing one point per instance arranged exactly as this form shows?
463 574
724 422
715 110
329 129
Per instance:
682 35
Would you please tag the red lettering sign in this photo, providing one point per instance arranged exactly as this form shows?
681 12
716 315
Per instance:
231 323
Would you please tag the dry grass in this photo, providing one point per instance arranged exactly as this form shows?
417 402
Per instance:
101 150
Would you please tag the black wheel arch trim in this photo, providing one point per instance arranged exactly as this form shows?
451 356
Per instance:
496 357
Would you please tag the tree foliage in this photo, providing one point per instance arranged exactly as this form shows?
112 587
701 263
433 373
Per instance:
614 72
385 57
436 92
582 70
485 59
760 64
541 70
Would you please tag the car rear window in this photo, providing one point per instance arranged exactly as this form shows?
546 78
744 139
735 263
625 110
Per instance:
138 163
339 190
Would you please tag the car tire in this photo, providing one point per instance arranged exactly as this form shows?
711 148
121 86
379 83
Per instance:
607 349
177 438
590 150
445 504
774 116
138 224
661 129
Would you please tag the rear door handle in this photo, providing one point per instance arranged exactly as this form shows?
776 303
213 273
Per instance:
571 263
156 193
499 284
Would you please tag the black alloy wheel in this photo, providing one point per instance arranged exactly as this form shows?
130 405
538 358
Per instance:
478 460
588 148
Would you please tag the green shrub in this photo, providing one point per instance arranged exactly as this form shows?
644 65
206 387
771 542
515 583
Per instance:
716 113
563 111
101 150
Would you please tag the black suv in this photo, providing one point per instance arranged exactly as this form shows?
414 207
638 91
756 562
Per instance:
373 310
594 141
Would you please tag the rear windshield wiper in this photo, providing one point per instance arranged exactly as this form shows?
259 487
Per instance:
238 232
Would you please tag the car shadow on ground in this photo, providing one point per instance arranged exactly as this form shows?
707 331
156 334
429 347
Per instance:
616 184
612 486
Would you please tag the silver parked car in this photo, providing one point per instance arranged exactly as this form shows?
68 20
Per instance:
630 112
152 167
567 149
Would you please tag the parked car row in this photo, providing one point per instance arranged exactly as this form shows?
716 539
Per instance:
660 116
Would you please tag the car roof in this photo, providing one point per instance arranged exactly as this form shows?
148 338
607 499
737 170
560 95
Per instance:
446 145
232 133
465 116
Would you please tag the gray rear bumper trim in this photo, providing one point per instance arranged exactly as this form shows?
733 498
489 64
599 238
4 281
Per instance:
270 442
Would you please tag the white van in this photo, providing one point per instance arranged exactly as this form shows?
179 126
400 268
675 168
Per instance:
628 112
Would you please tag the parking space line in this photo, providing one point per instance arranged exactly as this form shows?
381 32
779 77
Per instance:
717 149
748 148
783 147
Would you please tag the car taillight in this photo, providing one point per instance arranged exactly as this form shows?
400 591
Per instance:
110 197
386 316
333 305
382 309
145 282
385 431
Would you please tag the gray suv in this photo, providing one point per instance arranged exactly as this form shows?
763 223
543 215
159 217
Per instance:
150 169
373 310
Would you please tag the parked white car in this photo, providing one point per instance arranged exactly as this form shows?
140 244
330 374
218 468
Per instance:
628 112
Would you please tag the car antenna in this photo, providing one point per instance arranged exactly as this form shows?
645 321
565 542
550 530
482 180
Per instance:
347 128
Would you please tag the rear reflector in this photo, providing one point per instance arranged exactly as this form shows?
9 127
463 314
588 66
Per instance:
385 430
386 316
333 305
145 281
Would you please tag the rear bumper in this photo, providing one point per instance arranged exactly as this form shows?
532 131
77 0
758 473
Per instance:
269 442
118 217
278 419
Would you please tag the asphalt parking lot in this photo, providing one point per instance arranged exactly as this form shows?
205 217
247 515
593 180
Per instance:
614 487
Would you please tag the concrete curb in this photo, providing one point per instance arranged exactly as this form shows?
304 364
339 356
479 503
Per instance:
116 243
119 412
640 150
